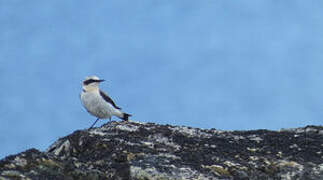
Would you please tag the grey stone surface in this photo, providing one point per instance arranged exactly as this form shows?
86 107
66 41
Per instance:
143 151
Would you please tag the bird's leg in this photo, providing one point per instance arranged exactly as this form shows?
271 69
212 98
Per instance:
94 123
109 121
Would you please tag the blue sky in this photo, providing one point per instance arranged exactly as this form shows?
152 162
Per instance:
211 64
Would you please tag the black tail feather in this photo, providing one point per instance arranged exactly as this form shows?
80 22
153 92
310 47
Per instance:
126 116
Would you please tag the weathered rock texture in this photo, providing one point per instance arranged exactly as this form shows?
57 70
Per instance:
131 150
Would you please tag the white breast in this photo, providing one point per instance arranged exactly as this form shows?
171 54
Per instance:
96 105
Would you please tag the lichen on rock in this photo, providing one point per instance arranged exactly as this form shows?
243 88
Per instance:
133 150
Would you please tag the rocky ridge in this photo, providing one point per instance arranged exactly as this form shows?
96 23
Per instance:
133 150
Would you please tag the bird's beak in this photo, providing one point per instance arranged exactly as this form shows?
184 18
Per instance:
101 80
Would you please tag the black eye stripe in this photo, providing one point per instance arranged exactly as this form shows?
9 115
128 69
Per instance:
89 81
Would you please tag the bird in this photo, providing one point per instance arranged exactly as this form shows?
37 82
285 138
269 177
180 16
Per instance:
97 102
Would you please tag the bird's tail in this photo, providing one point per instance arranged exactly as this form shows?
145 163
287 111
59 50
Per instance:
126 116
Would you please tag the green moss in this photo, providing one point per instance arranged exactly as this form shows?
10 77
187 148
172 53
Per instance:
218 170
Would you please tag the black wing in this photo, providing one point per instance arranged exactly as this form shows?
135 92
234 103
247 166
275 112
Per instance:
108 99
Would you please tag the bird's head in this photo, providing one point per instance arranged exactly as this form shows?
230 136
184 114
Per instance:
91 83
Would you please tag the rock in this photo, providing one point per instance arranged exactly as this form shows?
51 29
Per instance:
132 150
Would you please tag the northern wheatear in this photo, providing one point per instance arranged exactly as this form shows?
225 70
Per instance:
97 102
